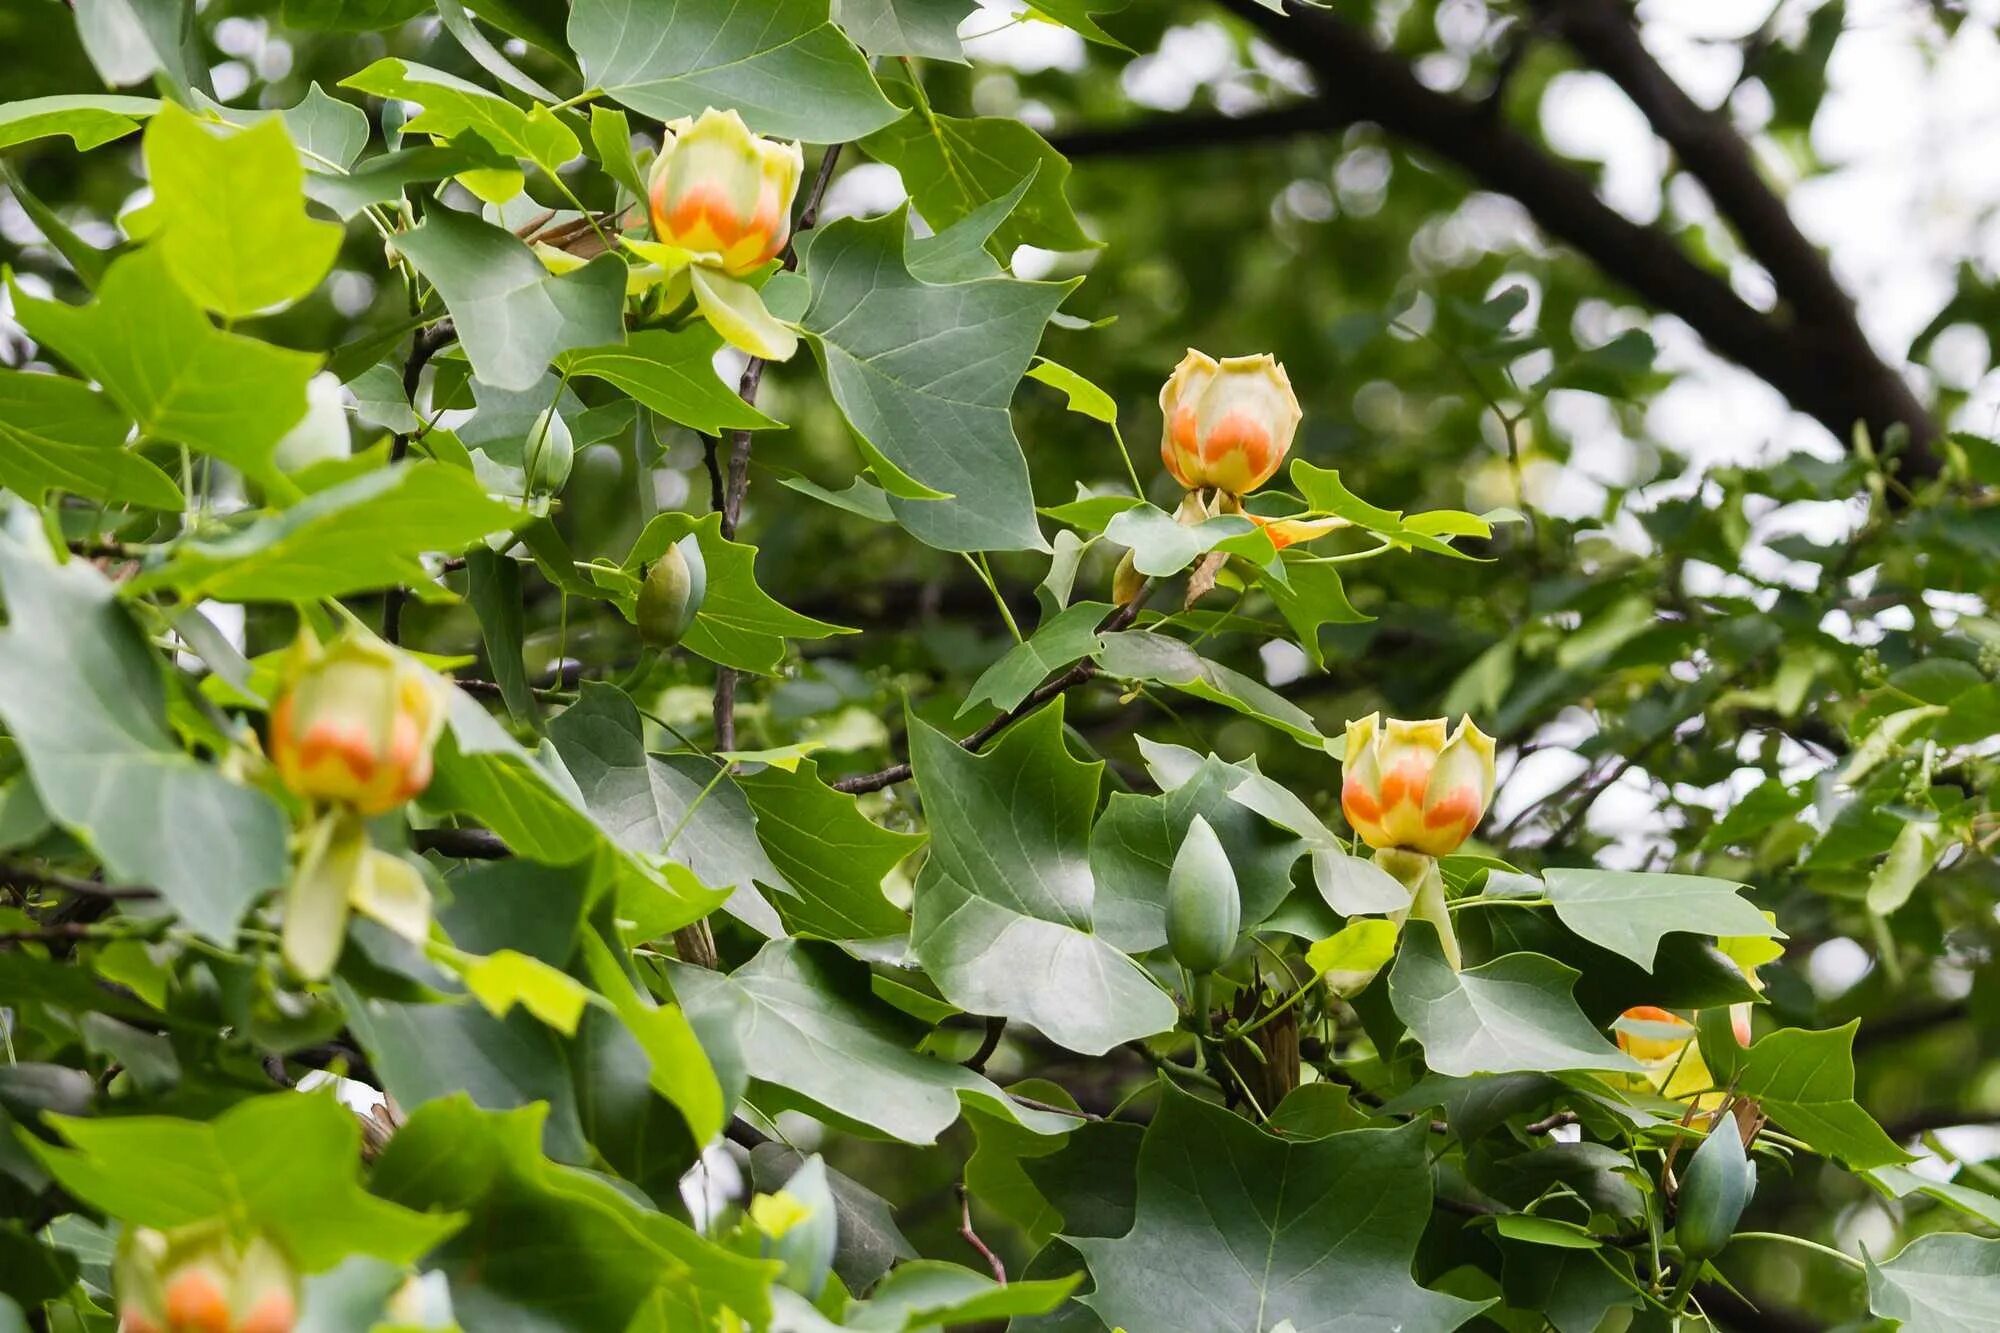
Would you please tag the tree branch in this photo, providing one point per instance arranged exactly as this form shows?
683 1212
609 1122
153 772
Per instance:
33 876
424 344
1174 134
1603 33
1361 81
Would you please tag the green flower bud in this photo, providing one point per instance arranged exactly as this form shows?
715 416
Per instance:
1203 909
672 593
1714 1189
549 453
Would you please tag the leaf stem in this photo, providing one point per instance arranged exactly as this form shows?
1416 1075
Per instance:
1803 1244
985 571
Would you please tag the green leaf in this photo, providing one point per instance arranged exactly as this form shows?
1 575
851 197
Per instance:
452 107
285 1162
1310 597
326 128
363 534
1939 1284
781 64
928 1293
1065 638
926 28
1076 15
494 588
549 1247
1162 545
1512 1015
1158 659
1082 396
924 373
673 373
679 1069
228 214
611 140
739 624
1003 906
994 1174
1909 860
538 813
506 978
834 857
820 1032
1325 493
677 806
512 315
383 178
89 119
1133 846
58 434
183 380
1240 1230
82 696
1805 1082
951 165
869 1242
1627 912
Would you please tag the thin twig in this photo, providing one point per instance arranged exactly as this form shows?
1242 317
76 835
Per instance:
41 877
424 344
972 1237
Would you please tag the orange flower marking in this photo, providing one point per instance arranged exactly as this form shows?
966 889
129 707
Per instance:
1411 787
354 725
1226 424
722 193
197 1303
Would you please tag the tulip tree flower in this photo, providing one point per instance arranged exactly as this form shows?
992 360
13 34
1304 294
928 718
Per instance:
1415 795
354 724
202 1279
720 199
352 732
1227 424
1665 1043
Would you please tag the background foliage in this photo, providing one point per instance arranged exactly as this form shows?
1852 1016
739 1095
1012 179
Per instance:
592 1066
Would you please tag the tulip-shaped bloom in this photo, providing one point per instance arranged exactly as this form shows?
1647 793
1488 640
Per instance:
1408 787
724 194
202 1280
354 724
1664 1045
1228 423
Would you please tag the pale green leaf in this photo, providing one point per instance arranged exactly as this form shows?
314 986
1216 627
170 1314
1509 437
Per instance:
1627 911
59 434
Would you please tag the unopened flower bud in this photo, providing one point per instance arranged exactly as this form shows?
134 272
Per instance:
1407 786
722 193
1204 907
203 1280
1228 423
354 723
672 593
549 453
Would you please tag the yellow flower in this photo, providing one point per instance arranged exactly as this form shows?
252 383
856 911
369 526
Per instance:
724 194
202 1280
1407 786
1664 1044
355 722
1228 423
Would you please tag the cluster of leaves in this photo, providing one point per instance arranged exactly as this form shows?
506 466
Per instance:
786 902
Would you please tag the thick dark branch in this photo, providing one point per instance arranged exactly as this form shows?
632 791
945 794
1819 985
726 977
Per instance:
1603 33
1362 81
466 844
1175 134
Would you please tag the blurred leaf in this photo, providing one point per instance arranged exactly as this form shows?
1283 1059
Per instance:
183 380
60 435
286 1162
82 695
89 119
